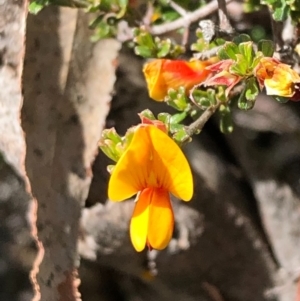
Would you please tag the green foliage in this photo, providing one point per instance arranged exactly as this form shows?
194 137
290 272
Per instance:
281 9
112 145
242 52
36 6
226 124
204 98
266 47
181 135
201 44
149 47
247 98
177 99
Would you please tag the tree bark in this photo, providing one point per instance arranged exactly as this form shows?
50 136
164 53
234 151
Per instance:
68 85
17 207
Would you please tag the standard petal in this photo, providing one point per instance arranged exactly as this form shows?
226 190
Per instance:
140 220
152 159
131 171
181 73
170 165
156 85
163 74
161 219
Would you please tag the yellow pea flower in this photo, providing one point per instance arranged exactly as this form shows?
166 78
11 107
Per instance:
153 166
278 78
163 74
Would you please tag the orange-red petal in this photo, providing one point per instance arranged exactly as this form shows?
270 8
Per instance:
152 222
163 74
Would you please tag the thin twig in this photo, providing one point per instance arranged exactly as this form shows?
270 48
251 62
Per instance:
181 11
199 123
188 19
224 22
205 55
148 15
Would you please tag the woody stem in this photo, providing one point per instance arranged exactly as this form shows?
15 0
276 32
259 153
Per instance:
199 123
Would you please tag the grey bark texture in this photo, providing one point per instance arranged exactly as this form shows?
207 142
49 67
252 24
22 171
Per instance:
68 81
17 207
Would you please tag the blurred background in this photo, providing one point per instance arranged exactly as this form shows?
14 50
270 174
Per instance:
237 240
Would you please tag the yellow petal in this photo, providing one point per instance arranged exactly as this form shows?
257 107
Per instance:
152 159
282 81
131 171
140 220
170 165
154 78
161 219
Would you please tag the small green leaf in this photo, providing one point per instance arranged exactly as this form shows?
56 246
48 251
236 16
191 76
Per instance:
246 50
240 67
109 149
143 51
241 39
112 135
35 7
247 99
164 117
228 51
176 118
267 47
226 124
181 136
179 101
128 137
281 13
204 99
252 89
175 127
164 48
256 60
145 39
148 114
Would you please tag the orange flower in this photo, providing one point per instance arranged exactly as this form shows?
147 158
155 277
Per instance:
221 75
278 78
152 167
163 74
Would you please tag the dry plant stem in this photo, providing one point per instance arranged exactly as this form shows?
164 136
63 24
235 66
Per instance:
199 123
148 15
178 8
183 13
224 22
187 19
